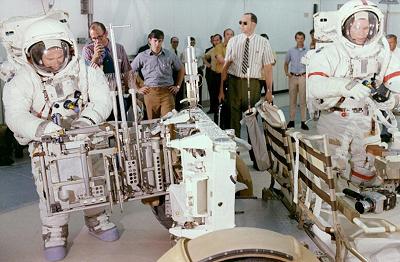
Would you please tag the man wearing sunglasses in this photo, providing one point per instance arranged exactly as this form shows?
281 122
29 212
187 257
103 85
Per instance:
246 55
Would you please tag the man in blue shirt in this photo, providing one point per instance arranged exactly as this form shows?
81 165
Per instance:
157 65
297 79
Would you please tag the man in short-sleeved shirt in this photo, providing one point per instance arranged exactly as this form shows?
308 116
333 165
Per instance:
240 64
296 72
98 53
218 61
157 65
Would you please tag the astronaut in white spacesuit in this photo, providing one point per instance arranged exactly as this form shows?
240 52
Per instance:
339 75
50 75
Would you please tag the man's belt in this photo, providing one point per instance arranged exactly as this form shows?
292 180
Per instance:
339 109
241 78
159 87
299 74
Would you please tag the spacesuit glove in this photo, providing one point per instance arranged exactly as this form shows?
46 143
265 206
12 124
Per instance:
49 129
388 104
358 91
81 123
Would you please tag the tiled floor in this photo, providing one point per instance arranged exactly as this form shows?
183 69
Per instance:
142 237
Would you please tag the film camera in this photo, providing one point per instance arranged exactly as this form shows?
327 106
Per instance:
372 201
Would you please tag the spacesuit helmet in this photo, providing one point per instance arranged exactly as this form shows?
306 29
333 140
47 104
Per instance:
49 46
361 25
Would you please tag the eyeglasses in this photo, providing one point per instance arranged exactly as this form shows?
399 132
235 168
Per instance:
242 23
97 37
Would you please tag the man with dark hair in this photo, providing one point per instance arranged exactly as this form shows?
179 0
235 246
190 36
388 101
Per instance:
219 53
262 78
157 65
246 55
99 53
210 66
253 17
313 40
297 80
210 61
174 44
217 39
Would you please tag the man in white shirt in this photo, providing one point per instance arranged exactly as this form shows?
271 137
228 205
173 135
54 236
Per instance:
246 55
392 40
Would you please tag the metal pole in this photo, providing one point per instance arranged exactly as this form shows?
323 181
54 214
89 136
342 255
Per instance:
118 73
248 88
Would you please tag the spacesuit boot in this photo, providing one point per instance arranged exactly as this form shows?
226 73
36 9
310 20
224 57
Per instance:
100 227
55 242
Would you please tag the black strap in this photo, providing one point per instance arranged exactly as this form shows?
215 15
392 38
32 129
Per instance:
88 118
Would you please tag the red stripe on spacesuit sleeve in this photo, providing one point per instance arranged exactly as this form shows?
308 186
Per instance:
364 177
390 76
364 2
317 74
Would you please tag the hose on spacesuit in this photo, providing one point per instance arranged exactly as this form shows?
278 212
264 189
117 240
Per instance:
379 117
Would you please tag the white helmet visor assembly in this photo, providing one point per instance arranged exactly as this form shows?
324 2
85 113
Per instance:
361 27
50 56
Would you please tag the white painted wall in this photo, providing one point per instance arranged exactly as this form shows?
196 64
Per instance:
280 19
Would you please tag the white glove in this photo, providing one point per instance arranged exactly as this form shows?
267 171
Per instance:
387 105
51 128
80 123
358 92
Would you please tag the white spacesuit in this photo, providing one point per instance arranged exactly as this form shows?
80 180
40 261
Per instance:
54 89
339 74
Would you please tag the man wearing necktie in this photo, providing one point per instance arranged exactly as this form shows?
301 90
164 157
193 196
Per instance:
246 55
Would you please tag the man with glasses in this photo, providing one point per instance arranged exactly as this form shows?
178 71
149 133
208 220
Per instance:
246 54
157 65
99 50
99 53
